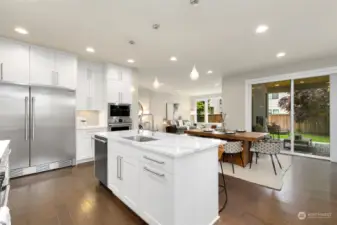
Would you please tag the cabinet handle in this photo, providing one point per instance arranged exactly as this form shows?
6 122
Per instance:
117 166
153 160
1 71
153 172
121 167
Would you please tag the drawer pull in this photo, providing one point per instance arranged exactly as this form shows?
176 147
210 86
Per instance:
155 173
153 160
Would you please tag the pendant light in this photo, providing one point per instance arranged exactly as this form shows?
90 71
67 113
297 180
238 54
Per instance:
156 83
194 74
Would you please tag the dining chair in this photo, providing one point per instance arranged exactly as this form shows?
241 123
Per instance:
233 148
269 147
223 186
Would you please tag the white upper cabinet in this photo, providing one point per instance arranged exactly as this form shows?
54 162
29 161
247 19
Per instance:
91 86
42 66
65 68
119 84
14 61
50 67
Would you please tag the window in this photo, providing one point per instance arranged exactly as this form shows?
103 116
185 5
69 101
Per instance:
274 95
276 111
270 111
209 110
200 111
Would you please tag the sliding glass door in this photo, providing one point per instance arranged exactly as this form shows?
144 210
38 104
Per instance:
268 115
296 111
312 116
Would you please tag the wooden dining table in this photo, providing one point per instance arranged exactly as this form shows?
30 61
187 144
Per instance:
247 139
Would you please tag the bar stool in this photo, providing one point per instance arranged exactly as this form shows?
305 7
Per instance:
232 148
224 188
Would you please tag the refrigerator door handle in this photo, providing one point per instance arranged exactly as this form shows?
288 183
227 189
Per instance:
1 71
26 118
33 118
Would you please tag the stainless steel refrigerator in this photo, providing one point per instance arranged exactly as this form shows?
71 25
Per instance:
40 122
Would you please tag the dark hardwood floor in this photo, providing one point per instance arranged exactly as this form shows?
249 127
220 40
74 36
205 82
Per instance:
72 196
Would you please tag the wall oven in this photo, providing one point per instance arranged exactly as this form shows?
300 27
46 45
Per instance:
119 126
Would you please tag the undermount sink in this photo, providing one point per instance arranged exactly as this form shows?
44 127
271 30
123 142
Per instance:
140 138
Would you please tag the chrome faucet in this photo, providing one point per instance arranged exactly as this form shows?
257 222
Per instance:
152 122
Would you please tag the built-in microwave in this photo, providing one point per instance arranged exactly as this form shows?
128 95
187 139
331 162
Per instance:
119 110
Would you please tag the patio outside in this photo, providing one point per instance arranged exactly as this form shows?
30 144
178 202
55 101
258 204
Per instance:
311 114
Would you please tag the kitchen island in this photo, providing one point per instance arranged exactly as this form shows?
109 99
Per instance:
166 179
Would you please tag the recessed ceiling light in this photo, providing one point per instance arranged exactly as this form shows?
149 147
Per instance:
90 49
156 26
194 2
261 29
280 54
276 85
131 61
302 82
173 58
21 30
209 72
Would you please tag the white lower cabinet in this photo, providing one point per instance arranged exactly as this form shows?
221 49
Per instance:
85 146
114 167
130 178
139 184
164 190
155 185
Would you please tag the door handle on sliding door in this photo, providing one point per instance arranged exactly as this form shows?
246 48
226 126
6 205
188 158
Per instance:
26 118
33 118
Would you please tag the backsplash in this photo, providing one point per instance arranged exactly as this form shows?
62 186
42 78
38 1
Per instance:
90 116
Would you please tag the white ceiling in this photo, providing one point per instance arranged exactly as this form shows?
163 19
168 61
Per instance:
217 35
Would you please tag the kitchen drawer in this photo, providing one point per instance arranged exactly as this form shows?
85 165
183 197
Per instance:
158 162
156 196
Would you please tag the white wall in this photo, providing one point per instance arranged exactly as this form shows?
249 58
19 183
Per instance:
156 103
234 101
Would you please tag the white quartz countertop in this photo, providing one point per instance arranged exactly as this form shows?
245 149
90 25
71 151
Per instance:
3 146
171 145
91 127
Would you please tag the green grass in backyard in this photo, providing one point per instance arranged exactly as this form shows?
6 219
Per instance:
315 138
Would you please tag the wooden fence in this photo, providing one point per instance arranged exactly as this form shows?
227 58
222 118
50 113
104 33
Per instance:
317 125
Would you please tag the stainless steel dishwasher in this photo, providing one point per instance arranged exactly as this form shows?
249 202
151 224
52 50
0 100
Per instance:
101 159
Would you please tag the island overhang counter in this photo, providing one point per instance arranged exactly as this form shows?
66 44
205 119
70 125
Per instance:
166 179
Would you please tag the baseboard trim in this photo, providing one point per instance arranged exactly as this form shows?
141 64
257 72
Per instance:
84 160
